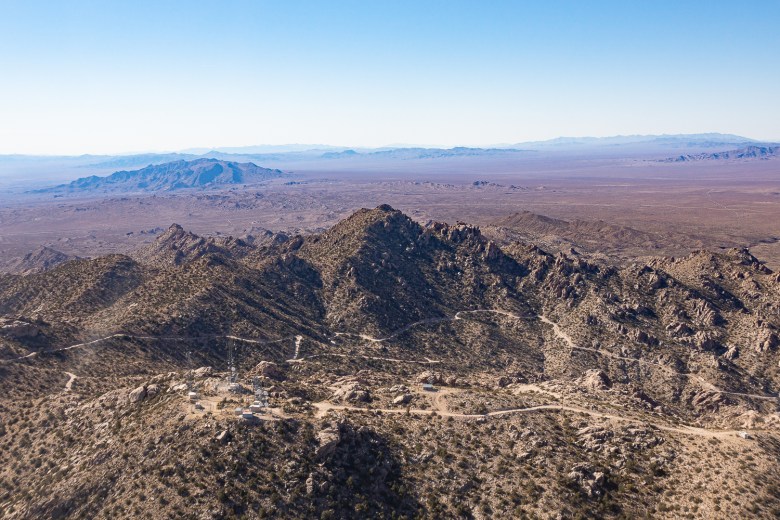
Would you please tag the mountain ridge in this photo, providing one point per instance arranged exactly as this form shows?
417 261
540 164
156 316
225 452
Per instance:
41 259
182 174
664 371
747 152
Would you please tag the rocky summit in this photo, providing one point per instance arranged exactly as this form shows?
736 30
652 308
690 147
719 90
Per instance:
387 369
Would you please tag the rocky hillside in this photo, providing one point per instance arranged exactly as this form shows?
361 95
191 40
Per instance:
38 261
199 174
378 271
630 385
598 239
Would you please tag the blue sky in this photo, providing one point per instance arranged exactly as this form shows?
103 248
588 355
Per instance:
107 77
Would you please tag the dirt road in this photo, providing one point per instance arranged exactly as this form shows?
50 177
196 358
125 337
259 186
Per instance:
439 409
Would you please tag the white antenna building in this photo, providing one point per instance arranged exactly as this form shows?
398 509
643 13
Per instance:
261 396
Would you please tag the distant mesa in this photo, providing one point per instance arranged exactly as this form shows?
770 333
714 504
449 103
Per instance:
177 175
748 152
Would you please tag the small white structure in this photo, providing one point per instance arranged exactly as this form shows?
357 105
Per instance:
256 407
234 388
238 410
743 435
193 396
428 387
198 406
247 414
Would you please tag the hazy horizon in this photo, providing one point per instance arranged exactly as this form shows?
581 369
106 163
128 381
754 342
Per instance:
282 148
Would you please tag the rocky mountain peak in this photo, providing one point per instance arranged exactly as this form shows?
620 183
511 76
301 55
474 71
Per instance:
175 246
196 174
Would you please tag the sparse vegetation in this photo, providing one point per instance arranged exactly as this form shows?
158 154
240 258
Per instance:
588 413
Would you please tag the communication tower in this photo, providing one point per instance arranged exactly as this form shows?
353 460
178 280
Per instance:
233 385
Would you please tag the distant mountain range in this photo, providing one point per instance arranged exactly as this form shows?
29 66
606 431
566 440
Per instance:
200 173
420 153
262 153
295 153
40 171
128 161
708 140
748 152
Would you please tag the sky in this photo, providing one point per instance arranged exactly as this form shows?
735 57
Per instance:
116 77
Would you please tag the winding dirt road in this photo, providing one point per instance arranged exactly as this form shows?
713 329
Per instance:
69 384
457 316
426 361
298 340
149 338
324 407
569 342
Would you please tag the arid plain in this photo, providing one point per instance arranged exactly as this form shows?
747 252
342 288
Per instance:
676 207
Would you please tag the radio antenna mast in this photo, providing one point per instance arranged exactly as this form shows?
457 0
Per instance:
232 370
233 385
190 374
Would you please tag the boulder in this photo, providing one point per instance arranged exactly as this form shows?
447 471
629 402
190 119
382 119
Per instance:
644 338
203 372
270 370
137 395
402 399
593 438
433 378
767 340
595 379
327 439
398 389
152 390
351 391
705 341
678 329
590 482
